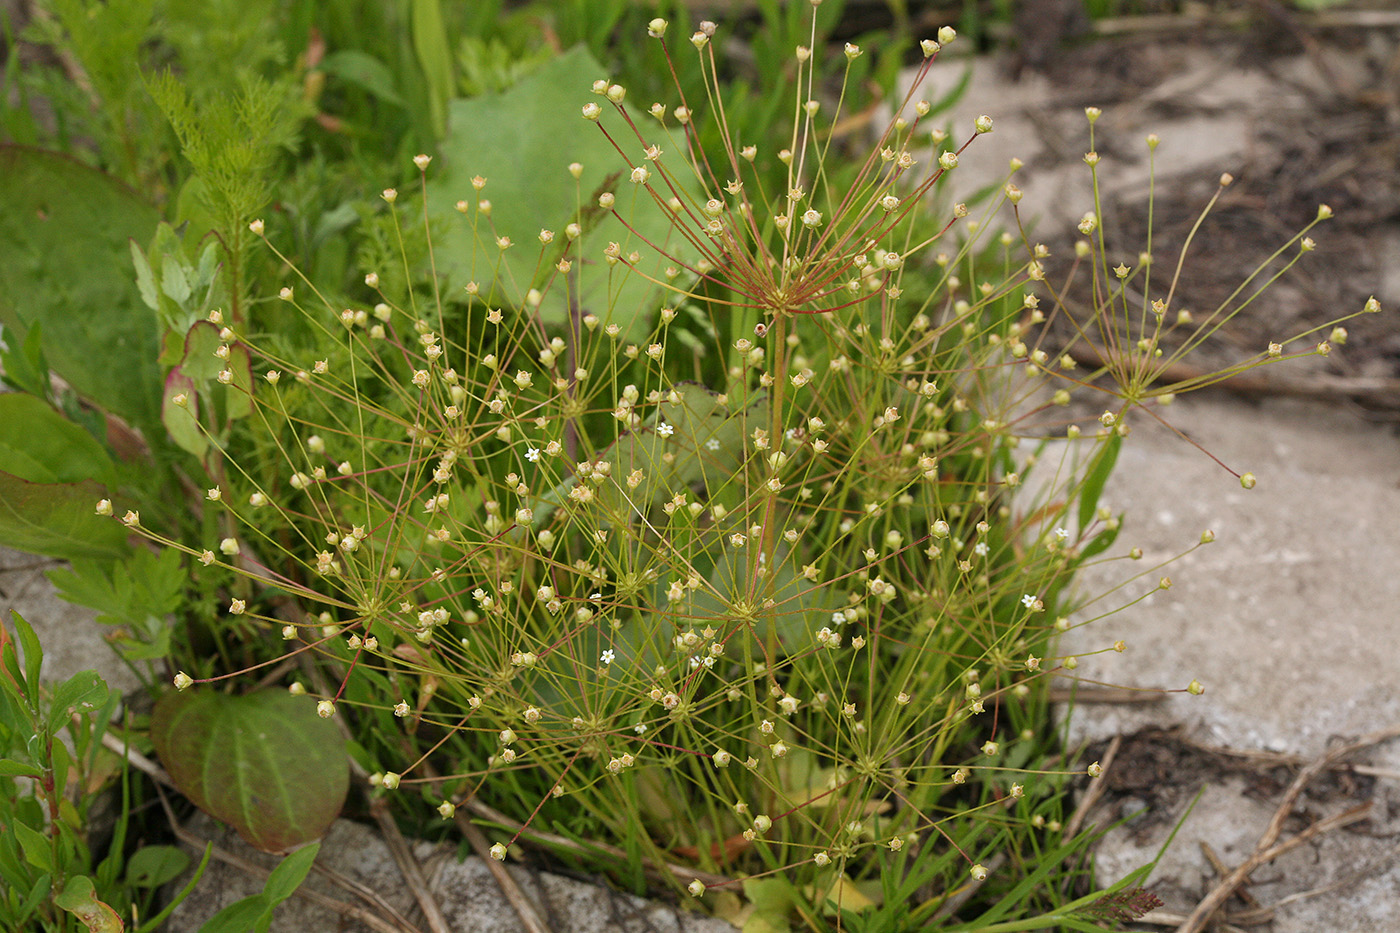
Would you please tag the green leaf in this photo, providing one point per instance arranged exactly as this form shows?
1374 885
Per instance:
145 278
79 898
11 768
23 366
57 519
430 45
290 873
33 656
35 845
707 447
1095 478
82 693
364 71
535 131
64 233
255 912
265 763
1102 542
153 866
772 900
238 917
182 421
40 445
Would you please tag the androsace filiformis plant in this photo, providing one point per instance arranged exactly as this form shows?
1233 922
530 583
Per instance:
751 597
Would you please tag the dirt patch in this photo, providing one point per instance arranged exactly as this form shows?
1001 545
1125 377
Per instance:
1318 116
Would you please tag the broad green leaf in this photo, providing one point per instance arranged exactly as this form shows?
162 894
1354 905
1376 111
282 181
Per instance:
200 363
264 763
79 898
57 519
51 476
772 900
64 232
153 866
707 445
522 142
40 445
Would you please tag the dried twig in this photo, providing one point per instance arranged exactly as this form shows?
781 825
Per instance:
514 894
368 918
1266 850
155 772
1079 695
683 872
1095 791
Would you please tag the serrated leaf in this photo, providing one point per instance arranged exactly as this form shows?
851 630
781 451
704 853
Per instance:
535 131
64 233
174 283
264 763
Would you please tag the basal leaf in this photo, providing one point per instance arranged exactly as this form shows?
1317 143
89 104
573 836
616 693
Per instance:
264 763
40 445
64 233
522 142
57 519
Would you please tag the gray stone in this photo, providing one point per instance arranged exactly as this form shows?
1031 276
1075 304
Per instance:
469 897
1289 619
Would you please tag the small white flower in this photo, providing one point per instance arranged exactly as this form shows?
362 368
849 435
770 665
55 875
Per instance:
608 656
666 430
532 454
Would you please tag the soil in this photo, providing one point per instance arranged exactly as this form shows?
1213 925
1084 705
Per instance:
1329 135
